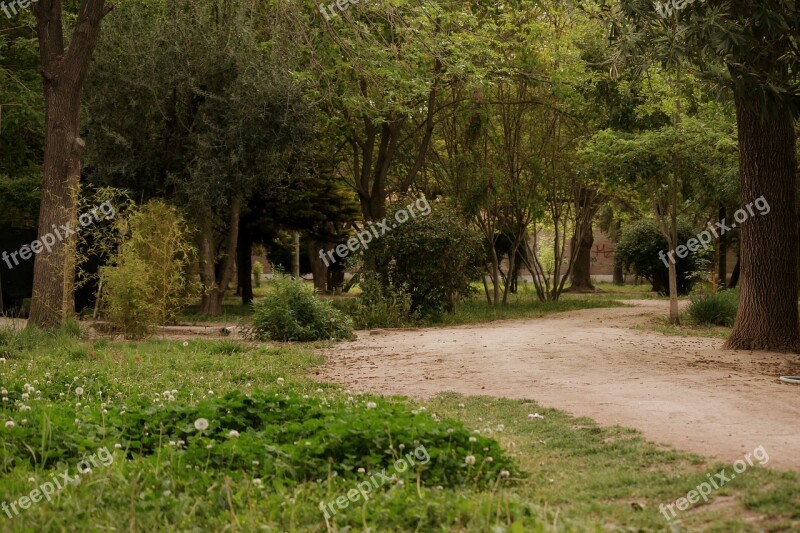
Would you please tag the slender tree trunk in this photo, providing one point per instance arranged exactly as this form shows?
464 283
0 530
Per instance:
619 275
244 267
768 317
296 255
63 73
318 268
582 267
722 247
735 274
215 286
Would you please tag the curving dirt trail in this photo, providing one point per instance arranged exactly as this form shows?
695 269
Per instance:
681 391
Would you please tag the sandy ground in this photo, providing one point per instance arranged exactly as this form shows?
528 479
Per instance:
680 391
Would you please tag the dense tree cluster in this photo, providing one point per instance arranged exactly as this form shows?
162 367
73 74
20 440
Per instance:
271 123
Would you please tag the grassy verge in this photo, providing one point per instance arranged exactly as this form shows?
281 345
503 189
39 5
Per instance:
522 305
562 472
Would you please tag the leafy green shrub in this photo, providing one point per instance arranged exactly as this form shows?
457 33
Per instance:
258 271
380 307
291 311
148 282
714 309
638 251
431 258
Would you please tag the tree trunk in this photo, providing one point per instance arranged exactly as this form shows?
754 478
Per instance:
735 274
619 275
318 268
722 247
582 267
215 286
296 255
244 267
767 318
63 73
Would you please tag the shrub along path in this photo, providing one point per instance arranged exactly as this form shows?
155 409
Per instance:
681 391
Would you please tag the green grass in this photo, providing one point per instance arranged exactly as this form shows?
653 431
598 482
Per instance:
572 473
524 304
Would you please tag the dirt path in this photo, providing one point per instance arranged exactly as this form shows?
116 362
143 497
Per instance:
680 391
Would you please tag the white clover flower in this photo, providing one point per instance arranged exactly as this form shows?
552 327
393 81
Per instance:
535 416
31 479
25 396
400 482
256 463
469 460
257 482
461 406
501 428
117 446
10 424
2 359
505 473
280 381
473 439
185 344
306 396
319 391
372 405
172 443
489 459
201 424
78 391
401 446
233 434
360 470
209 446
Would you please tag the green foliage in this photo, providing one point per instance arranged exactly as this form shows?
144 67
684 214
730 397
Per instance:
638 251
148 282
291 311
258 272
378 306
431 258
714 309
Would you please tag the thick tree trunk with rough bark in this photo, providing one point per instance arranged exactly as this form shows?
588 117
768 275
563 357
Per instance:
63 73
582 268
767 318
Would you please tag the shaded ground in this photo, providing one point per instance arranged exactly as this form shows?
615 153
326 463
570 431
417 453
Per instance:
679 391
